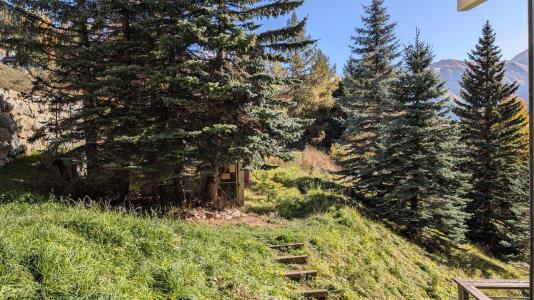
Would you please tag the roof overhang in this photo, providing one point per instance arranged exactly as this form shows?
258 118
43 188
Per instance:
464 5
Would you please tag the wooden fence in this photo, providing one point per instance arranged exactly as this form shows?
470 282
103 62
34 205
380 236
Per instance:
474 289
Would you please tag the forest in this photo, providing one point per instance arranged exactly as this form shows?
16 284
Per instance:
153 100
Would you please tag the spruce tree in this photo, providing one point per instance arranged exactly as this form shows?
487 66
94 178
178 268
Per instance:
491 127
426 188
132 83
60 41
151 78
367 101
242 119
299 68
513 226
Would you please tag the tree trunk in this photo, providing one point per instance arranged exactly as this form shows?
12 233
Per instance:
212 189
90 132
180 190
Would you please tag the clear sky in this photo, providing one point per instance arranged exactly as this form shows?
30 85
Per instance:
452 34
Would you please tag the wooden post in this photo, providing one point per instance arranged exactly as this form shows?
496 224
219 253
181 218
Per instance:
462 294
240 184
531 138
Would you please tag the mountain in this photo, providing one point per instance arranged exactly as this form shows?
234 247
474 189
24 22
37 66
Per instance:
451 71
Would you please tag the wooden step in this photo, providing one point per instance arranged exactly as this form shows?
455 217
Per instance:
300 274
290 259
315 294
288 246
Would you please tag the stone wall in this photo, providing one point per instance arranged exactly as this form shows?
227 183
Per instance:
20 117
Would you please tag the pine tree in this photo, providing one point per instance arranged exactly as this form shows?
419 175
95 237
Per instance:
151 77
139 81
513 226
243 119
299 68
426 189
491 127
59 40
367 101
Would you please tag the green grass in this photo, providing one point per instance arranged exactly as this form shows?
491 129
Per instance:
54 250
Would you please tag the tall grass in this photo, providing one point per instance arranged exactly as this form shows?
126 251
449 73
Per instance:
55 251
51 249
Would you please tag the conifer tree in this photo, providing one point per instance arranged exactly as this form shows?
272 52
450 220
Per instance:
242 119
122 94
151 77
151 82
367 101
323 81
60 41
299 67
313 78
491 127
426 189
513 227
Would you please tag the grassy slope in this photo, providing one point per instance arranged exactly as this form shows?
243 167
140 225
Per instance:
50 250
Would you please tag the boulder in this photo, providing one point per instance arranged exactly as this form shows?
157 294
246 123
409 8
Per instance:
7 122
5 135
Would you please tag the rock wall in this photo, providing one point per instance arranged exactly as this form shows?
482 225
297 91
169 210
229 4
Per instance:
20 118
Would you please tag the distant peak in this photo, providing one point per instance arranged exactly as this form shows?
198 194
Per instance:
452 63
521 58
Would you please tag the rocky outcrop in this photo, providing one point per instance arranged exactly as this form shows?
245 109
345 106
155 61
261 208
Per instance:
20 117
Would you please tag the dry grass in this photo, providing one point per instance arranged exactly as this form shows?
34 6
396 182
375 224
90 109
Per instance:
316 160
14 79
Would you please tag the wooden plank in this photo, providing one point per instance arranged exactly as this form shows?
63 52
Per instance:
508 298
288 246
290 259
471 289
300 274
506 284
315 294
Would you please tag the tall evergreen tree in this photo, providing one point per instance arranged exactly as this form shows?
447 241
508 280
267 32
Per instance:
151 77
367 101
60 39
299 67
491 127
420 163
120 96
242 119
151 82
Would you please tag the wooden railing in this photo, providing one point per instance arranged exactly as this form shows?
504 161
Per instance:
475 288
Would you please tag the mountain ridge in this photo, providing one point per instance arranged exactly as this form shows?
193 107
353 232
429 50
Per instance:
451 71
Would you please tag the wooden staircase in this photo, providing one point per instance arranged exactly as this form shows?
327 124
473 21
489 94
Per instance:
299 275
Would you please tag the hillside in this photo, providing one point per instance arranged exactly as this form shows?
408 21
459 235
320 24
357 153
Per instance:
451 71
54 250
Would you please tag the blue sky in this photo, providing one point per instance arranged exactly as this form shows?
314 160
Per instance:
451 34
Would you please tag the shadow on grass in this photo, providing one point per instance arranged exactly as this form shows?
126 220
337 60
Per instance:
17 174
456 255
307 183
313 203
